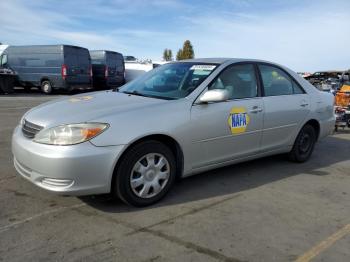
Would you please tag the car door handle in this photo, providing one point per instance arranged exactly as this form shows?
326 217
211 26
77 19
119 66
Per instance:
255 110
304 104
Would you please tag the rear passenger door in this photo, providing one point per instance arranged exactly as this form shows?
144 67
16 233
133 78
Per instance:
286 106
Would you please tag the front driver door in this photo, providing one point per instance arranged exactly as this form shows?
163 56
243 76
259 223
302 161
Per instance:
232 129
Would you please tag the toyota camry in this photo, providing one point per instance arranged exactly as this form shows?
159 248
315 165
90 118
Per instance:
177 120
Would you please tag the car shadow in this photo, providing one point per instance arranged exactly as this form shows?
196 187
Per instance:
238 178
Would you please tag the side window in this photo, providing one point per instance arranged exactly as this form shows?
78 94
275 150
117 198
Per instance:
239 80
297 89
3 59
275 81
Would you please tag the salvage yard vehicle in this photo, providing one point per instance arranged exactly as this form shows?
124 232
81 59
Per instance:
342 104
108 69
340 118
319 78
179 119
49 67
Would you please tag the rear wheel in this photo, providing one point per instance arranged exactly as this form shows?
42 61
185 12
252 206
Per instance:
145 174
46 87
303 145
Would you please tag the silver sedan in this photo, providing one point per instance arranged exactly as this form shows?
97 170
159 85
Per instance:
177 120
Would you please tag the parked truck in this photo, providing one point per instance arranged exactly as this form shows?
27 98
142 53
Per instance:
49 67
108 69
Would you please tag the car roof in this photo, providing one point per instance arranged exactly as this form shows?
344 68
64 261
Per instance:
104 51
222 60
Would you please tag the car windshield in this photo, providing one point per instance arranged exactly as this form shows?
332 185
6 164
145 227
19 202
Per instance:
170 81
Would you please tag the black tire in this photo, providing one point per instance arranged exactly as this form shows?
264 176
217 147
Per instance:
122 175
46 87
304 144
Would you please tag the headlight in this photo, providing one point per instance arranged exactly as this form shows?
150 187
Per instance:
70 134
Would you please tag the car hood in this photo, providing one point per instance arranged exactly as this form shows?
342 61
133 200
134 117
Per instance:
87 107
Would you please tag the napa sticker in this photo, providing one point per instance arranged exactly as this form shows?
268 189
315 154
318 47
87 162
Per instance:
80 98
238 120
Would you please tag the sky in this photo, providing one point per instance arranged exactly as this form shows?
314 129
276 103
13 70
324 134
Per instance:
304 35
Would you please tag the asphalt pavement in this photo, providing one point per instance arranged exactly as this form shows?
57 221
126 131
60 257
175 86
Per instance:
263 210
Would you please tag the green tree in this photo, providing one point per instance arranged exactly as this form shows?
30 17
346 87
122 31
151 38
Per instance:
167 55
170 55
187 50
179 55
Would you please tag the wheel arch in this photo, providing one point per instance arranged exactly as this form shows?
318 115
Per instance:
45 78
316 125
167 140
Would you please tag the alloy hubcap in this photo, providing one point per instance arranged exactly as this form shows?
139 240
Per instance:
149 175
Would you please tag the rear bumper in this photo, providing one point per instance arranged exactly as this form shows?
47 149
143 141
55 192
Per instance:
78 87
327 127
81 169
106 83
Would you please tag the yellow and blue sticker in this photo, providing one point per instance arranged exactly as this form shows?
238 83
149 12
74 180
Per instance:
238 120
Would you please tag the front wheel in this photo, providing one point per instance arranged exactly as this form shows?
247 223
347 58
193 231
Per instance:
303 145
145 174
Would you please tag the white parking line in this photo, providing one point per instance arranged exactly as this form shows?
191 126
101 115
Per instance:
56 210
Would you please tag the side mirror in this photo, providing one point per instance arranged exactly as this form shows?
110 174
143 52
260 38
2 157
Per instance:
214 95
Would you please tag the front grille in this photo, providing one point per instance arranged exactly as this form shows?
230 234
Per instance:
29 129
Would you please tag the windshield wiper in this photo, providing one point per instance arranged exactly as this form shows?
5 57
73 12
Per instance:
136 93
115 89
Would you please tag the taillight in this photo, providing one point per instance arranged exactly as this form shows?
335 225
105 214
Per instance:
106 71
64 72
90 71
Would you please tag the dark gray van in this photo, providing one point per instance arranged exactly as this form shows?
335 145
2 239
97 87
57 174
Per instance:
49 67
108 68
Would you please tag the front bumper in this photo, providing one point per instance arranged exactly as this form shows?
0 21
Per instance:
81 169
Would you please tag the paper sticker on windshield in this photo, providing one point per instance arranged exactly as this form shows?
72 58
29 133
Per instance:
238 120
203 67
81 98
